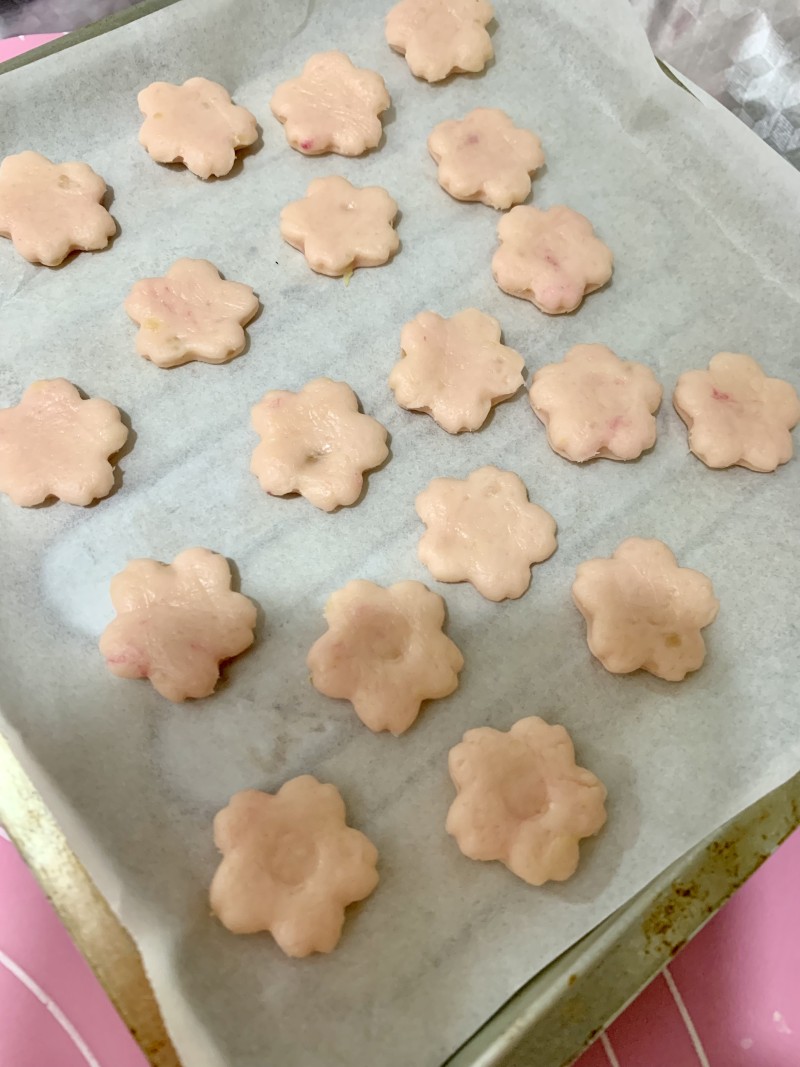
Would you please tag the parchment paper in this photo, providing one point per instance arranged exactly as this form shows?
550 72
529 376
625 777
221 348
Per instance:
703 221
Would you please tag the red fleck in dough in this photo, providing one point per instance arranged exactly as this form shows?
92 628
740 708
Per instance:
316 443
551 258
196 124
332 107
483 529
51 209
440 37
339 227
596 405
55 443
290 865
485 157
522 800
176 622
644 611
736 415
190 313
455 369
385 652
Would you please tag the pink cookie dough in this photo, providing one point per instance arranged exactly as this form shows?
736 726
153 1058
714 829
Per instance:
485 157
736 415
644 611
316 443
55 443
51 209
551 258
441 37
290 865
332 107
523 800
483 529
176 622
196 124
339 227
455 369
596 405
385 652
190 313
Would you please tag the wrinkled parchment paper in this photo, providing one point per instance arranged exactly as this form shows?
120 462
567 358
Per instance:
703 221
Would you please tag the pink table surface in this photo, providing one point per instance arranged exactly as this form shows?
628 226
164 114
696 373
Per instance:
15 46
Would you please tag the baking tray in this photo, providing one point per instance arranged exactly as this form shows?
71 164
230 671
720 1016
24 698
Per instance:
551 1018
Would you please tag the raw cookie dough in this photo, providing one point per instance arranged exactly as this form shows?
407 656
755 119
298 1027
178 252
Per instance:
643 610
455 369
596 405
736 415
551 258
196 124
51 209
290 865
332 107
190 313
316 443
439 37
55 443
385 652
176 622
523 800
483 529
339 227
485 157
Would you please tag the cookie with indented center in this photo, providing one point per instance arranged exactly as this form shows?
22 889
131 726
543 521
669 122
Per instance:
596 405
55 443
523 800
485 157
455 369
332 107
316 443
644 611
338 227
551 258
290 865
483 529
51 209
176 622
190 314
196 124
441 37
385 651
736 415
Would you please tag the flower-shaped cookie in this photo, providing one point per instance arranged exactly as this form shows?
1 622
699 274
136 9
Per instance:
736 415
596 405
438 37
55 443
643 610
485 157
332 107
316 443
290 865
551 258
196 124
385 652
455 369
338 227
191 313
51 209
523 800
483 529
176 622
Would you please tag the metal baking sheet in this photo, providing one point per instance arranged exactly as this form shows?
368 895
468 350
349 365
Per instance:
135 783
